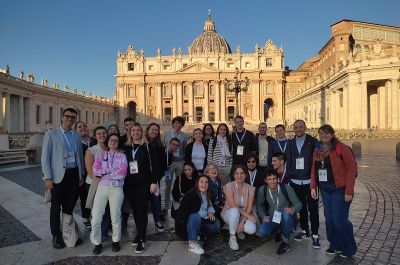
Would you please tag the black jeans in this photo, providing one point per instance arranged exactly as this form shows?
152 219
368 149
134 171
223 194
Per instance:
63 195
138 198
303 192
82 195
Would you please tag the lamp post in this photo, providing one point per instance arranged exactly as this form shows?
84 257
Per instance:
238 86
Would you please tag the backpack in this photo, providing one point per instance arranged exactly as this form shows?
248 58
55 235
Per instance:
338 151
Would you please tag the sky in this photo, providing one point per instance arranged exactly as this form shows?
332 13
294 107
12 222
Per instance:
76 42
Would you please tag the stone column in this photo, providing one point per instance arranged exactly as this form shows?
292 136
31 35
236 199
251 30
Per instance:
223 103
6 113
346 107
1 109
382 107
364 105
207 101
388 103
21 114
179 99
395 104
159 112
191 101
174 99
217 102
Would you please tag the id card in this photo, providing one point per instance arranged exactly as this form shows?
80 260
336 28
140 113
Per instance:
133 167
240 150
114 182
167 175
277 217
222 162
323 175
70 157
300 163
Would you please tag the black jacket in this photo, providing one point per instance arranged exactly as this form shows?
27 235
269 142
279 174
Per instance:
188 153
156 154
144 176
249 143
258 181
190 204
185 185
306 152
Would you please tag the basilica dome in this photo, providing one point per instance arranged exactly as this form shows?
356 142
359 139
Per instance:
209 41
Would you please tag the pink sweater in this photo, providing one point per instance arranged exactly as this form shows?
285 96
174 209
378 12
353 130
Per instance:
110 165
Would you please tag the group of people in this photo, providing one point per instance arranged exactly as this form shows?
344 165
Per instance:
239 180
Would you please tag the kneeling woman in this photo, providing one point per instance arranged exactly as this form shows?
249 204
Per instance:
111 168
237 212
196 214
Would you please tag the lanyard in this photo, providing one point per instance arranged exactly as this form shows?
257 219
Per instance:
284 174
277 197
85 143
134 151
284 147
252 176
167 154
222 149
70 145
241 139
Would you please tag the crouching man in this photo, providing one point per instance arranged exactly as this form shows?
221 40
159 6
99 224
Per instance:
282 204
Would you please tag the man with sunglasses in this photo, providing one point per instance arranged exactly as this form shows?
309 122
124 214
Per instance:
62 166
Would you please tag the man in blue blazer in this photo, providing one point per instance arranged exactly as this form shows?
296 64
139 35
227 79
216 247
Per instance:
63 168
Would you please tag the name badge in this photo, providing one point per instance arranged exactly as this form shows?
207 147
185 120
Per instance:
167 175
70 157
222 162
277 217
300 163
133 167
323 175
240 150
114 183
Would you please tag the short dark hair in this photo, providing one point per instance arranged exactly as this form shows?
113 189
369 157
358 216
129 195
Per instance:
270 172
238 117
128 119
179 119
208 125
174 139
280 156
280 125
70 110
108 139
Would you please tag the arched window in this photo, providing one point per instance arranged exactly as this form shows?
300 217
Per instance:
268 103
131 109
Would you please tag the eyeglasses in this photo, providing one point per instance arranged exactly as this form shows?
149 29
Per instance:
113 140
251 161
69 117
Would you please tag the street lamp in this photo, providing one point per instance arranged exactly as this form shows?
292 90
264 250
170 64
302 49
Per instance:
238 86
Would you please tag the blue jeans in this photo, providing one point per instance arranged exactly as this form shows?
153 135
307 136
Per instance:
155 202
287 223
339 230
195 225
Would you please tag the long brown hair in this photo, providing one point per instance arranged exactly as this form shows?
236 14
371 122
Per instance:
326 128
208 195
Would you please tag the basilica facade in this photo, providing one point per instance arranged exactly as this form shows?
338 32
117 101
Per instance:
201 84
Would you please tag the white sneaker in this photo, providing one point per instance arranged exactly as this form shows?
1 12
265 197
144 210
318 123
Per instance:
233 244
195 248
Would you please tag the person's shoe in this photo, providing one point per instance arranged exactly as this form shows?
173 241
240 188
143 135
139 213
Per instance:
116 247
283 248
344 256
241 236
330 251
58 242
78 242
88 225
97 249
315 241
141 246
195 248
135 242
233 244
159 227
302 235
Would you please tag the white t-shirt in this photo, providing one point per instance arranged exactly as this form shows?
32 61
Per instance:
198 156
96 151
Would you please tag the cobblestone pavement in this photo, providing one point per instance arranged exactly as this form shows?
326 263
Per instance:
377 230
12 231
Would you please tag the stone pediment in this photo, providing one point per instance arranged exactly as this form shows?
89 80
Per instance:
197 68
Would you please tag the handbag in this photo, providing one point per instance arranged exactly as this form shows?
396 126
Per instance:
92 193
47 196
69 230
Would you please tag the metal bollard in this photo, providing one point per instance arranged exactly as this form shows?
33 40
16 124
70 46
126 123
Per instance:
356 146
398 151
